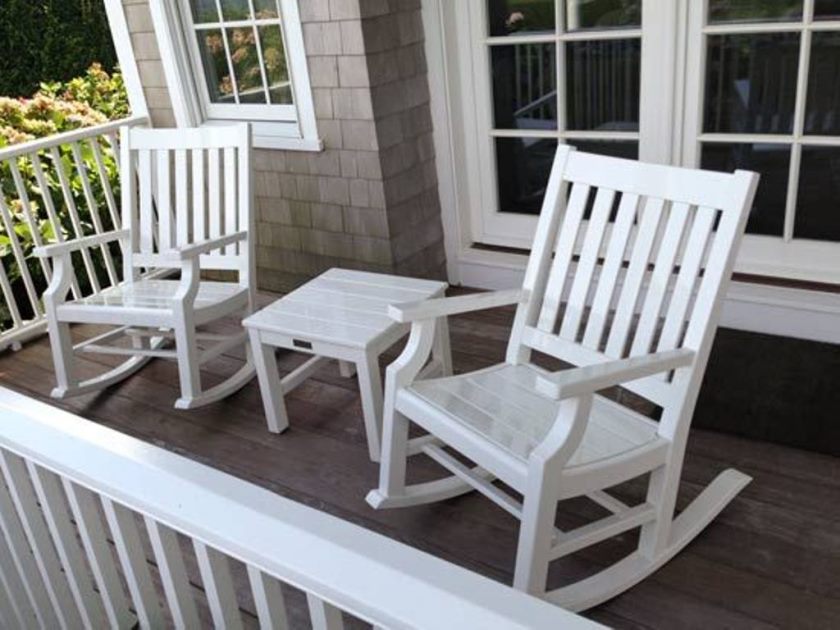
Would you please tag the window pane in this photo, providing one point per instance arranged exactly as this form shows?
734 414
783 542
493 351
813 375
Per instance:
236 10
822 114
277 71
246 65
216 73
602 84
827 9
613 148
772 161
754 10
204 11
525 86
266 9
582 14
509 17
817 212
751 83
523 166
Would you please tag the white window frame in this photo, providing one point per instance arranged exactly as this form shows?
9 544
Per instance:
289 127
670 119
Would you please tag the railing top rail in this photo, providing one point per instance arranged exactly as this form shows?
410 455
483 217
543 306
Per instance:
357 570
33 146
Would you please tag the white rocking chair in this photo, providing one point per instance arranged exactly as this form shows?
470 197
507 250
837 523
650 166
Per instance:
642 296
187 207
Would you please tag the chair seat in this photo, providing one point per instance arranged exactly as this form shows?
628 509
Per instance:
152 295
502 405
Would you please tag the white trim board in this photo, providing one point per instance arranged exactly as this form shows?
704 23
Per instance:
124 48
761 308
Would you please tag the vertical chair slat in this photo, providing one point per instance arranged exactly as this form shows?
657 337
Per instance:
218 586
170 563
230 197
93 209
662 273
182 207
268 599
582 284
164 201
48 489
214 189
92 532
20 257
114 142
146 192
28 214
11 582
563 254
134 565
73 213
49 206
19 534
324 616
651 217
199 196
610 271
105 181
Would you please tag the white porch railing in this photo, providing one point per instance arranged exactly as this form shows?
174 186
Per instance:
54 189
98 529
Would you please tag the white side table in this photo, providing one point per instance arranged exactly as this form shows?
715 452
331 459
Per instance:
341 315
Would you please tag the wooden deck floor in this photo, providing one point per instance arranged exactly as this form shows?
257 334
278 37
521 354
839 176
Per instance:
772 559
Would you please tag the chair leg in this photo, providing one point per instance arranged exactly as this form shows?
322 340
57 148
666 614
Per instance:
370 388
536 532
188 368
441 351
61 343
394 455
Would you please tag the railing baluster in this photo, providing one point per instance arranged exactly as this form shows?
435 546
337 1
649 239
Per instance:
105 181
268 599
324 616
133 560
93 209
48 489
9 294
20 258
14 589
173 574
28 215
40 570
74 216
83 506
218 587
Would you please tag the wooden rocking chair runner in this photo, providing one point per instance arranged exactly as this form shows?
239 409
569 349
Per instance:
642 302
186 205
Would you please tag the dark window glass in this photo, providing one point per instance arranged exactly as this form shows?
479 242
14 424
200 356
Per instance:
274 56
602 84
772 161
523 166
754 10
822 111
751 83
211 44
246 64
236 9
204 11
600 14
817 209
525 86
827 9
265 9
517 17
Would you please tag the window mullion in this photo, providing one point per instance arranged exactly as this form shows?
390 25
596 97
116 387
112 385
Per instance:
228 57
561 81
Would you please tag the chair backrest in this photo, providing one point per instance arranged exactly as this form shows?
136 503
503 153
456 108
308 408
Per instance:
642 257
186 186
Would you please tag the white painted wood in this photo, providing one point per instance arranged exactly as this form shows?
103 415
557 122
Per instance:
173 574
218 586
549 436
276 539
158 214
322 615
342 315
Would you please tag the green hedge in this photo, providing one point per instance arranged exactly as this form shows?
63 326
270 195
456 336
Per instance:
51 40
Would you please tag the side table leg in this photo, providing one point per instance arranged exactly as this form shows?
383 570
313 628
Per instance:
270 388
370 387
441 352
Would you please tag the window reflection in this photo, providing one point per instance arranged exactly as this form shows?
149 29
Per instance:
817 214
584 14
525 86
520 17
523 166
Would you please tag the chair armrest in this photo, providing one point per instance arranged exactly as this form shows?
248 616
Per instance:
592 378
68 247
194 250
441 307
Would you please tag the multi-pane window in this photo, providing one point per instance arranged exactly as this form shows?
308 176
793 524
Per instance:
239 49
771 102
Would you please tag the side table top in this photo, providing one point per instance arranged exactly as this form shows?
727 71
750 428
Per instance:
342 306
